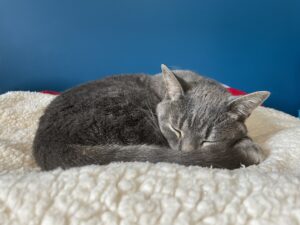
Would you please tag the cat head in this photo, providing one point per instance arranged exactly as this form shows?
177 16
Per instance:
205 116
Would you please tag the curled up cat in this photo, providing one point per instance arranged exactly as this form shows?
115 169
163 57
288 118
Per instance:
176 117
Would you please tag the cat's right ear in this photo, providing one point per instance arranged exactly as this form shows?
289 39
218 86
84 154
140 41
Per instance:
241 107
173 88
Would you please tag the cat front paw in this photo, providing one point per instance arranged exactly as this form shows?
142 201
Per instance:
251 152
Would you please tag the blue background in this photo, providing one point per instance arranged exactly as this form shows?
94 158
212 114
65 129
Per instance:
56 44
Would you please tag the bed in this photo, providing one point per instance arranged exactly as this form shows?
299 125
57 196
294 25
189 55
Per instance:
144 193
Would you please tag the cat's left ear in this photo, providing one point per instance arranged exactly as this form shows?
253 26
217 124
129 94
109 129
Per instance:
241 107
173 88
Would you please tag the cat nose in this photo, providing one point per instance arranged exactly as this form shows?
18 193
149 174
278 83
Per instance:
187 146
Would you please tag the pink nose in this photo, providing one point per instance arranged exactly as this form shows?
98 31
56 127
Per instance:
187 147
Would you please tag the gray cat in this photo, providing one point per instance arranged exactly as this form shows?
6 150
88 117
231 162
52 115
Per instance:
176 116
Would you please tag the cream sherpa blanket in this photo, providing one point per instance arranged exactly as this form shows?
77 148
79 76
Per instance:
144 193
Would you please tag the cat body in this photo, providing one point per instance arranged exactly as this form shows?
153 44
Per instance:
176 116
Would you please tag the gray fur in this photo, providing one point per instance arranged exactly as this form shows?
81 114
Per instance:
177 117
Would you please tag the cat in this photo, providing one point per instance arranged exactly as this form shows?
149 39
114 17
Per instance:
175 117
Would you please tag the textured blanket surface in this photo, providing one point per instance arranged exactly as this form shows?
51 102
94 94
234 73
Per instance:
144 193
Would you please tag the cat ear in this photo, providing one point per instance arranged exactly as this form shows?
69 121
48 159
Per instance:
174 89
241 107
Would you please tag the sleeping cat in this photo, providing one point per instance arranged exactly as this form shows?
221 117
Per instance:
176 116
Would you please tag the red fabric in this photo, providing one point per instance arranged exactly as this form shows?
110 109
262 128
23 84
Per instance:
235 92
50 92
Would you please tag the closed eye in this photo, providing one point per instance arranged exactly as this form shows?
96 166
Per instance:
178 132
207 143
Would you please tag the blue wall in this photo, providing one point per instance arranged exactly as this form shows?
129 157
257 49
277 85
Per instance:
55 44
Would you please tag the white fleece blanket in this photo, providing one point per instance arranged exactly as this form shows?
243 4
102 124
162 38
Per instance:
144 193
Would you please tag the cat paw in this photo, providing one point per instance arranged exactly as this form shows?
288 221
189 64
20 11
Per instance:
250 151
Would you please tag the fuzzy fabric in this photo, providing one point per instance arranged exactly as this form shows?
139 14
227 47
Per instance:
144 193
